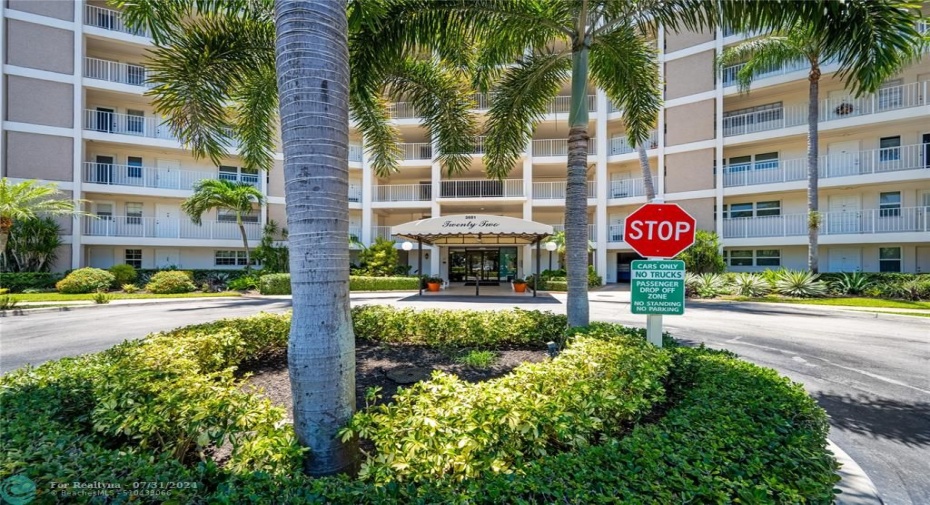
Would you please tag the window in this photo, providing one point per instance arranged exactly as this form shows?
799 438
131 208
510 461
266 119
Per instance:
889 259
772 208
133 213
229 173
758 209
134 167
889 204
249 176
749 257
104 211
766 161
889 149
890 95
739 163
768 258
741 258
738 210
134 121
135 75
229 258
133 258
228 216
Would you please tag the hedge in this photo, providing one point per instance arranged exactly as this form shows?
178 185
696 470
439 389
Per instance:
718 430
17 282
280 284
85 280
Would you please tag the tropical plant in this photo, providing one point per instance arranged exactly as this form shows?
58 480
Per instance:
123 274
855 283
704 255
85 280
170 282
32 245
380 259
709 285
7 302
130 288
102 298
800 283
273 258
28 200
749 284
232 196
895 42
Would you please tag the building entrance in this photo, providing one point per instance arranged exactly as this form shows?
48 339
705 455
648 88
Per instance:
487 266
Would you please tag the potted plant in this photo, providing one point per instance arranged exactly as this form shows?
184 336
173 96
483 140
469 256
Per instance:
433 283
519 285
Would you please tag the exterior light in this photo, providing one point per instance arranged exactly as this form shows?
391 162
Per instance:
550 246
406 246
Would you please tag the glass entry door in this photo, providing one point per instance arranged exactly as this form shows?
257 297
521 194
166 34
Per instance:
483 265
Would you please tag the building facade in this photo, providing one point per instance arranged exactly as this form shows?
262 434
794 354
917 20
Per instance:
74 112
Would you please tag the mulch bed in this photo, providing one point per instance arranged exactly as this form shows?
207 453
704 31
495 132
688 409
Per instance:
389 366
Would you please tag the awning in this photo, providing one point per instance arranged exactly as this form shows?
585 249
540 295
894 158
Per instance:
473 229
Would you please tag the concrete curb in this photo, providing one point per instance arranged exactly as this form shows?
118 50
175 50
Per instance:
23 310
857 488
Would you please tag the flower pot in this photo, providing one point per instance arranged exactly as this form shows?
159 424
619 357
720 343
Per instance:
433 286
519 287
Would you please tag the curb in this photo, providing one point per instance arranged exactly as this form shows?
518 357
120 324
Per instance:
25 310
857 488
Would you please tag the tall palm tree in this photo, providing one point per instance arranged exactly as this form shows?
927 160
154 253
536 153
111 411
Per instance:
217 194
805 43
28 200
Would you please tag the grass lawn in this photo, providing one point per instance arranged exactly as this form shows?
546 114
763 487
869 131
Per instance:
843 302
58 297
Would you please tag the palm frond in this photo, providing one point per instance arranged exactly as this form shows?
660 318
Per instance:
164 18
210 194
763 54
29 199
256 99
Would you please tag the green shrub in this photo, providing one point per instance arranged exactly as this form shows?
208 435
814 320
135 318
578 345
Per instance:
85 280
170 282
703 257
123 274
275 284
380 258
453 429
359 283
752 285
477 359
911 289
245 283
800 283
130 288
17 282
7 302
855 283
102 298
705 285
465 328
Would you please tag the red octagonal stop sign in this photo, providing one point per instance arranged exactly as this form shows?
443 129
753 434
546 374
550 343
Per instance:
659 230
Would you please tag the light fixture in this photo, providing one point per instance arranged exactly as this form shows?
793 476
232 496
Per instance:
407 246
550 246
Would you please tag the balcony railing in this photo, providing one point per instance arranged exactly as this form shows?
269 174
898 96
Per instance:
620 144
482 100
153 227
402 110
869 161
730 73
355 231
355 193
626 188
558 147
109 19
481 188
355 152
869 221
403 193
886 99
152 177
555 190
381 232
114 71
416 151
615 233
563 104
127 124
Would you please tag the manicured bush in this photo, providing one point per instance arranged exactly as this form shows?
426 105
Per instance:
471 328
123 274
361 283
218 278
85 280
275 284
170 282
17 282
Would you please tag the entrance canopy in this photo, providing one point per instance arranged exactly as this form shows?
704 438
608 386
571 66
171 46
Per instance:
473 229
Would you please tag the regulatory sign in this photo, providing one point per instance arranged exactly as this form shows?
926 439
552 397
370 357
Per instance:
658 287
659 230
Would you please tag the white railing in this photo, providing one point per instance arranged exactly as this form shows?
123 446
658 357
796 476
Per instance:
153 227
126 124
416 151
868 221
730 73
620 144
482 100
612 107
402 110
109 19
869 161
764 120
559 147
355 231
563 104
114 71
555 190
355 193
626 188
381 232
615 233
403 193
152 177
478 145
481 188
355 152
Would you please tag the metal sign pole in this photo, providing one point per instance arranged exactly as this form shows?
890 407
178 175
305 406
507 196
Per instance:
654 325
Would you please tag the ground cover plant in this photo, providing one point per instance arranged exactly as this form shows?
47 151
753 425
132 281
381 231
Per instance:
787 285
612 417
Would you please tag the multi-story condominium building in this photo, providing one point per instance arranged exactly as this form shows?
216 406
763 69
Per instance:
74 112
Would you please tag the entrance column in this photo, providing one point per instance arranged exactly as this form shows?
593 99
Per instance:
536 284
600 176
527 251
420 262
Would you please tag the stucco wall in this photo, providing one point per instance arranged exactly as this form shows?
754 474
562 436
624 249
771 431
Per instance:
40 47
39 102
676 41
689 76
35 156
690 171
689 123
60 9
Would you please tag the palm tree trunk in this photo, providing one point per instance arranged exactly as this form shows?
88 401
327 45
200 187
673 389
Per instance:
313 79
245 242
647 173
813 203
576 194
4 238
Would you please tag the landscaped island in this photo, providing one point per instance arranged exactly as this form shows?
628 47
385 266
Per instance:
610 418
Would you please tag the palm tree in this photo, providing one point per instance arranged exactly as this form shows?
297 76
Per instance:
218 194
804 42
28 200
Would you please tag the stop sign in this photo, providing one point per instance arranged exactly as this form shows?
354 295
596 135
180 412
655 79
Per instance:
659 230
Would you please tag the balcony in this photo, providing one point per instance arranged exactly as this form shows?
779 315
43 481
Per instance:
114 71
777 116
403 193
355 230
869 221
558 147
615 233
109 19
481 188
401 110
416 151
621 145
556 190
865 162
563 104
626 188
355 153
127 124
355 193
169 228
158 178
383 232
729 74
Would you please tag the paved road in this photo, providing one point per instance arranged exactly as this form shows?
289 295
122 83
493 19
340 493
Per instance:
870 372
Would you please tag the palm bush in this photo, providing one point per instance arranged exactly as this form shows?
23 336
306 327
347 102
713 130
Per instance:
752 285
855 283
800 283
